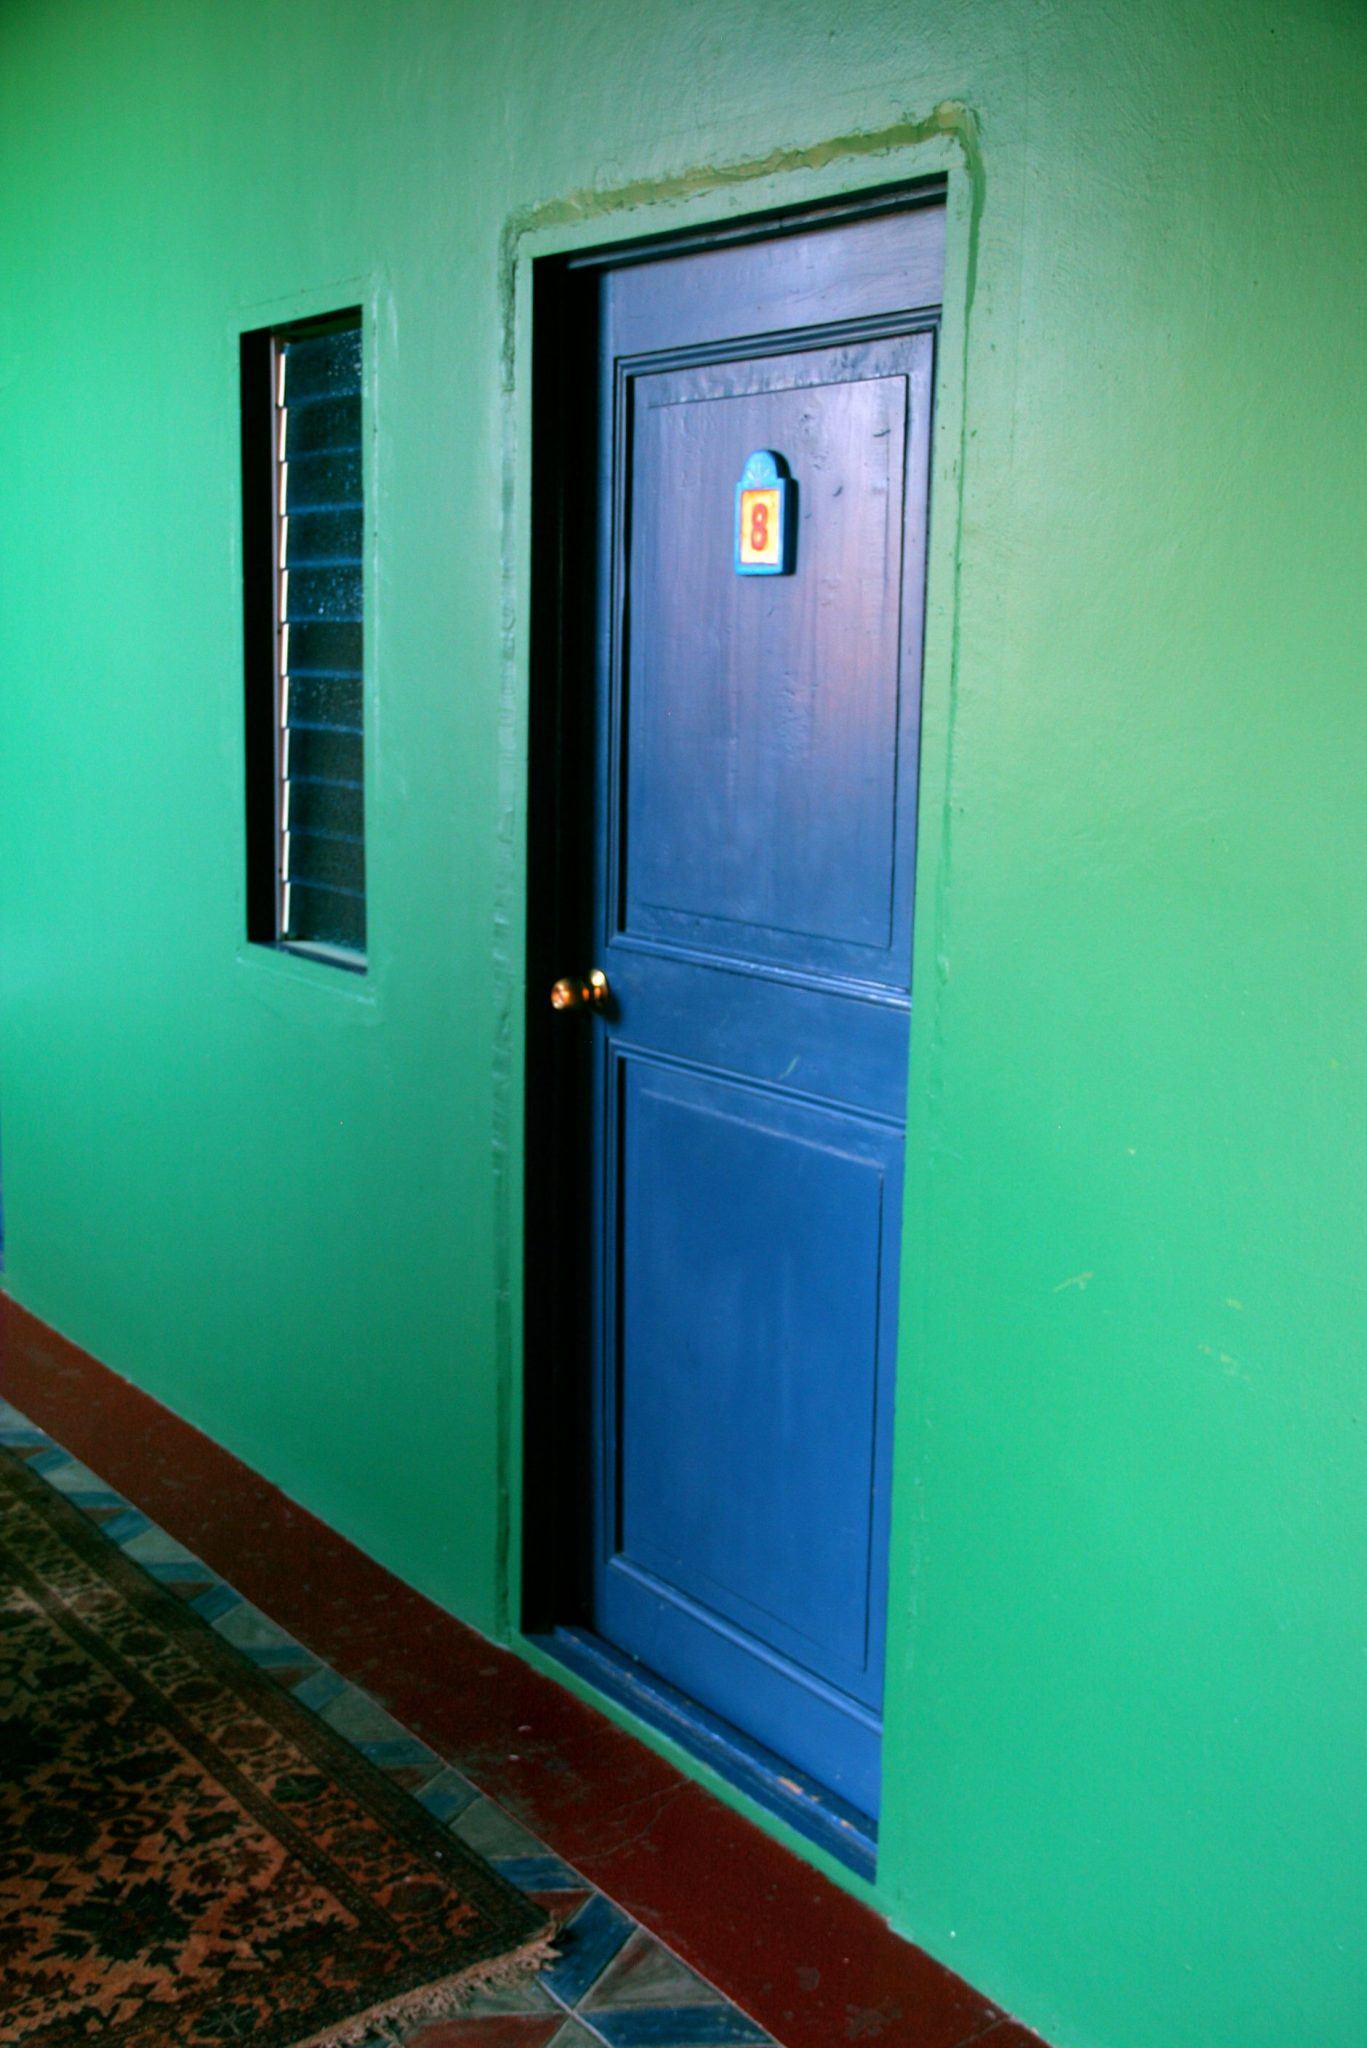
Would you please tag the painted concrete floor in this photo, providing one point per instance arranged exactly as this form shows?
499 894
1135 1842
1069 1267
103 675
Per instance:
681 1924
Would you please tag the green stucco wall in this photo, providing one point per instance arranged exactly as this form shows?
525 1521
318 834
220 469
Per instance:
1123 1780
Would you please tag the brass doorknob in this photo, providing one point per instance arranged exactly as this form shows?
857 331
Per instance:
590 994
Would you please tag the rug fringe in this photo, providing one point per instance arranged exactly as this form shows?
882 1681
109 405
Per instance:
392 2019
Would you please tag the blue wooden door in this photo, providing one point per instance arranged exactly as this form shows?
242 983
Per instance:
756 777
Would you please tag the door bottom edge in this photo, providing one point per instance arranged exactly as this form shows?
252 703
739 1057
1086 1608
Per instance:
809 1808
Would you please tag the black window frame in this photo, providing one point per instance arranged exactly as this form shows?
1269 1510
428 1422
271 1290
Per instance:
262 409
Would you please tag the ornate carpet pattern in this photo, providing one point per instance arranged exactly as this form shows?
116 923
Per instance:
186 1854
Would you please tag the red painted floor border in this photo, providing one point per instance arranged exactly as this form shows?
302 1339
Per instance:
810 1963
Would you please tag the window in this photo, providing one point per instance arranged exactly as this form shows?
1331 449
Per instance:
303 526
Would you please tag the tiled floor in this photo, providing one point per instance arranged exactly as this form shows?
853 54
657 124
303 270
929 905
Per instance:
664 1892
611 1985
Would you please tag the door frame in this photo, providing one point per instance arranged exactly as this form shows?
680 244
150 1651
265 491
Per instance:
549 270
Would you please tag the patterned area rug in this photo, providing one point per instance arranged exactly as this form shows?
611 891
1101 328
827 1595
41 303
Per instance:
186 1854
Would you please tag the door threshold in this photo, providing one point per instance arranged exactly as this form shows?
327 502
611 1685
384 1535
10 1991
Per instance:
809 1808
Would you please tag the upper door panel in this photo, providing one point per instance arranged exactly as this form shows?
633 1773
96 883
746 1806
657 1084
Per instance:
769 726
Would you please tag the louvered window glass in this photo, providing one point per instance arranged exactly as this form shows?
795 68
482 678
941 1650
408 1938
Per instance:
314 894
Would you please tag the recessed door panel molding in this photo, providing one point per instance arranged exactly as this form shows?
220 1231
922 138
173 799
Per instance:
782 1313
